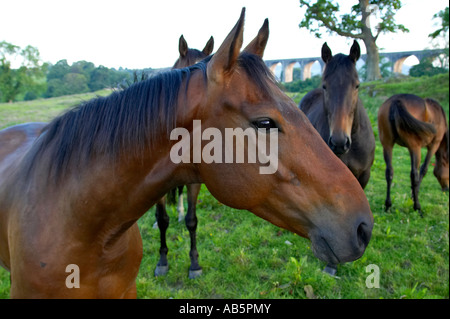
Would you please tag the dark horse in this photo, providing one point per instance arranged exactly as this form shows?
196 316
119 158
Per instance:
338 114
187 57
70 198
413 122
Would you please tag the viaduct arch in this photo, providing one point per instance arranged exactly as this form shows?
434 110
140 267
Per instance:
395 58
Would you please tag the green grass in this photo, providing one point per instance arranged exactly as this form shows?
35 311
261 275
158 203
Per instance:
244 256
41 110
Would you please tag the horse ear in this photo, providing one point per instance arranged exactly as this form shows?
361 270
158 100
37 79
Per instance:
182 46
224 60
209 47
355 51
326 53
258 45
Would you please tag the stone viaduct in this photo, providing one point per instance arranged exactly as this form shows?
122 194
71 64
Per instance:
395 58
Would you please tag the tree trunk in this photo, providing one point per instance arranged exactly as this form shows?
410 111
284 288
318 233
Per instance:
373 60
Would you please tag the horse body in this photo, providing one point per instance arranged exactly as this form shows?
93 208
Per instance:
73 197
338 114
413 122
47 229
14 142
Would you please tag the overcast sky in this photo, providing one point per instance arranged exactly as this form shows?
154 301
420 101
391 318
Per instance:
145 33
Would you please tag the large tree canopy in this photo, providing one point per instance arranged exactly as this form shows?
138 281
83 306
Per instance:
26 78
324 15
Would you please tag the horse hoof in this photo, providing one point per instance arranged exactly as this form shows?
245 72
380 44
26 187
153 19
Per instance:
161 270
195 273
387 206
330 270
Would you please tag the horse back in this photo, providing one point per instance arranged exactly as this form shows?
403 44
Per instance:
18 136
410 120
311 100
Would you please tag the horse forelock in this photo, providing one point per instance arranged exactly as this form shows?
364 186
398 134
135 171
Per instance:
257 71
339 67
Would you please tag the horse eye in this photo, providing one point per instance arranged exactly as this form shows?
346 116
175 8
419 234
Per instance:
357 86
324 87
265 124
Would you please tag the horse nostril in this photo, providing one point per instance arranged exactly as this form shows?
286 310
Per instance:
348 143
363 233
330 142
339 145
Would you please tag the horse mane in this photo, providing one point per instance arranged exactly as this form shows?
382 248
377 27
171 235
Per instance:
125 122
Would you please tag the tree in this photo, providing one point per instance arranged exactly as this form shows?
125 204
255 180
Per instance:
28 77
426 67
356 24
83 67
444 16
442 34
100 78
385 69
58 71
75 83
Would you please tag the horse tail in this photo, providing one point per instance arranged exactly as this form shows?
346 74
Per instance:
172 195
403 122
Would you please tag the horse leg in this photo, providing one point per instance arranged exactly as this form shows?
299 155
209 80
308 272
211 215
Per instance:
191 224
424 168
415 178
387 153
180 206
330 269
163 223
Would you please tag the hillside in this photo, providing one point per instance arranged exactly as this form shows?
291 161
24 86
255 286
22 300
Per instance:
41 110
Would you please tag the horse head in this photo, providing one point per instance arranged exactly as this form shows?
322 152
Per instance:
296 193
190 56
340 85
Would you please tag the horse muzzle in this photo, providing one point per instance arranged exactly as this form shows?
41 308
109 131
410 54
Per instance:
340 144
335 246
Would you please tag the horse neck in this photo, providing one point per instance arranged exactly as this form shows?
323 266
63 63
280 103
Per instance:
128 183
442 153
153 171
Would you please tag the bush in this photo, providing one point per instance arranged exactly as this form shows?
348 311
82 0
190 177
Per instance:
303 86
426 68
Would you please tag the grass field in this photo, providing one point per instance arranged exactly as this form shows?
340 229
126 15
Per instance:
244 256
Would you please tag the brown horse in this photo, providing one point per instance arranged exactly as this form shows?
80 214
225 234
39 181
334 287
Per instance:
70 199
412 122
338 114
187 57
